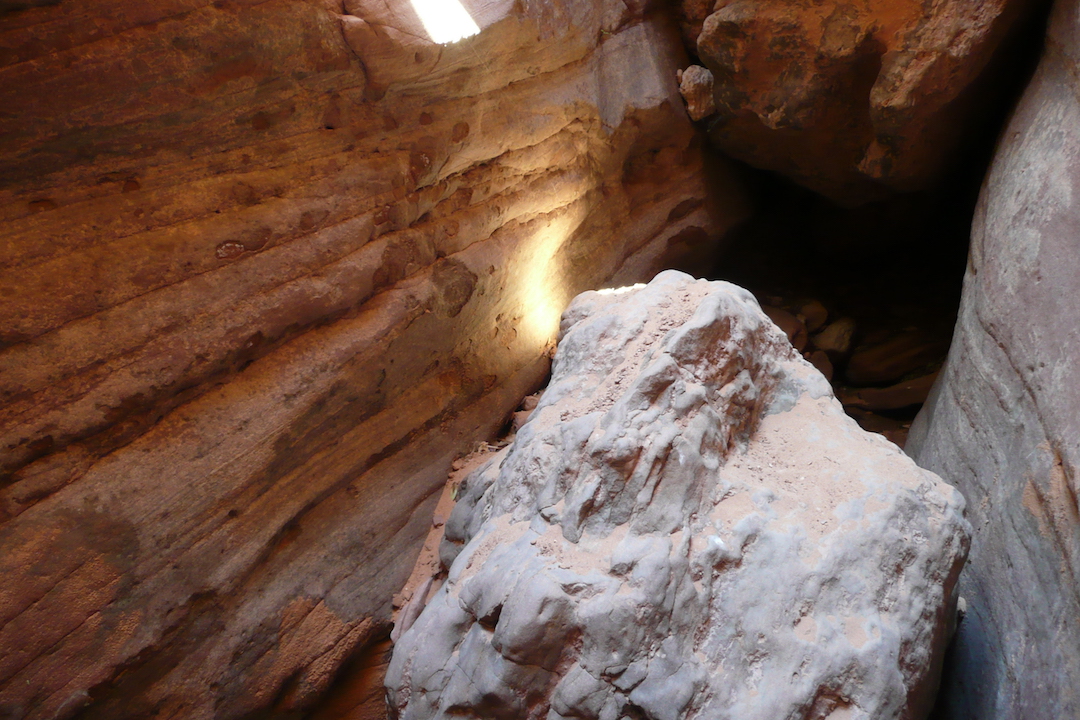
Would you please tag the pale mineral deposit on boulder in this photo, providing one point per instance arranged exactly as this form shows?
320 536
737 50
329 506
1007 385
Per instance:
687 527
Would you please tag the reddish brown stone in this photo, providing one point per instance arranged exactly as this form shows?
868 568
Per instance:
852 99
888 361
230 386
820 360
792 326
814 315
901 395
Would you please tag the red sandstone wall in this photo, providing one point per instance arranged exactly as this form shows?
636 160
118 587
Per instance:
265 268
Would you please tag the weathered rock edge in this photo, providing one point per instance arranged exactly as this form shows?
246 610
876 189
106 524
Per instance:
688 526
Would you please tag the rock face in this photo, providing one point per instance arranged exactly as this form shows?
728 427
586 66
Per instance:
265 268
1003 423
851 99
687 527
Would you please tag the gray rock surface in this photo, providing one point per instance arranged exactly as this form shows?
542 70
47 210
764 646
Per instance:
1003 423
687 527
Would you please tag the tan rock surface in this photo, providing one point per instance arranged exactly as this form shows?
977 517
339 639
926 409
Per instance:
265 269
852 99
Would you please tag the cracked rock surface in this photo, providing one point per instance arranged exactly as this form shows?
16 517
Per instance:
688 526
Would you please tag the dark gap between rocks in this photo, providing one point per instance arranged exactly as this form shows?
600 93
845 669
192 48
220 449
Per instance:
870 294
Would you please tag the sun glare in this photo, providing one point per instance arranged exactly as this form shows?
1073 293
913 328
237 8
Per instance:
620 290
445 21
544 295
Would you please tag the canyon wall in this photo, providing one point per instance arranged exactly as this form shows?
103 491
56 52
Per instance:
1003 423
265 269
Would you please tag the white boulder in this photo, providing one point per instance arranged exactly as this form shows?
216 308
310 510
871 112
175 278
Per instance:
688 526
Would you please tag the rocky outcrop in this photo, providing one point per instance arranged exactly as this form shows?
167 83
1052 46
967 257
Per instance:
853 100
1003 423
696 87
688 526
265 269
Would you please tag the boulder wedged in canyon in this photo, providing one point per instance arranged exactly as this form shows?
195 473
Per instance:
688 526
855 100
265 269
1003 422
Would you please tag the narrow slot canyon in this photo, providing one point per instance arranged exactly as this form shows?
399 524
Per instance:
513 359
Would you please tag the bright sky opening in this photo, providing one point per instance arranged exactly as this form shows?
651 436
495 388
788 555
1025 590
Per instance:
445 21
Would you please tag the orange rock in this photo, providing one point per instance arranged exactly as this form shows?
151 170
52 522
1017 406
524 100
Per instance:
901 395
814 315
227 395
820 360
852 99
792 326
888 361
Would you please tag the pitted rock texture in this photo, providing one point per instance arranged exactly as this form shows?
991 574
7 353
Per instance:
1003 422
265 269
696 87
854 100
687 527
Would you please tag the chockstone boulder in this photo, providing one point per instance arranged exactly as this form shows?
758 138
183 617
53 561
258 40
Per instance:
688 526
853 100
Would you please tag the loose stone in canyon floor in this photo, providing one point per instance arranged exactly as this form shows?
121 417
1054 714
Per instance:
687 526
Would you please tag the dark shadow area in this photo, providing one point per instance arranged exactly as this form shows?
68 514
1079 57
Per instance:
870 294
968 671
357 691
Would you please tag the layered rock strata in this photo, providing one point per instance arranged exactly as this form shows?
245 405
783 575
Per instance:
854 100
1003 423
265 269
688 526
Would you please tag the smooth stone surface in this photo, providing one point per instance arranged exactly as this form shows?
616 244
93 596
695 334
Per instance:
1003 423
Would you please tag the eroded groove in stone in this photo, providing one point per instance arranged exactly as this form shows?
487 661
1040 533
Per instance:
262 277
